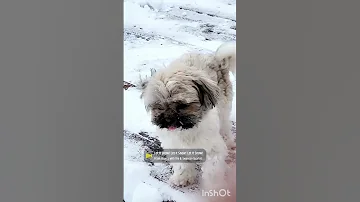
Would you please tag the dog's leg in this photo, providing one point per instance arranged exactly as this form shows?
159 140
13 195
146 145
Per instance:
184 174
214 169
225 129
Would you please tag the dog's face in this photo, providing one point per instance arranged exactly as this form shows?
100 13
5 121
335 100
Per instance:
179 99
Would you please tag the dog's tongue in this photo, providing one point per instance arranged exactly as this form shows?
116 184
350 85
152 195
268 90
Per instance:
172 128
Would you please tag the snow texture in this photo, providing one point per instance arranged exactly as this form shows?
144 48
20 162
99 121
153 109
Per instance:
156 32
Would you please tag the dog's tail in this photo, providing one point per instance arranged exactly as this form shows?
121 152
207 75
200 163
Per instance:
226 53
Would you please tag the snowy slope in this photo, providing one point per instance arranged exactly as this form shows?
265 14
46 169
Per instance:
156 32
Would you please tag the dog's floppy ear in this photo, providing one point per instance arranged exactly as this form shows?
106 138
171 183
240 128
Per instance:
209 92
142 84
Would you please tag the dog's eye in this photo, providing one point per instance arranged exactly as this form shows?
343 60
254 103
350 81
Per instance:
158 107
182 106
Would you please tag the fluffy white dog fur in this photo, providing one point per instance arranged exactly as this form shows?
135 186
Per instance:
202 82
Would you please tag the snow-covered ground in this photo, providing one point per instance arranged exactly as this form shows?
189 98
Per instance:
156 32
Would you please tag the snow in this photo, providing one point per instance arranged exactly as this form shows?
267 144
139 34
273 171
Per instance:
156 32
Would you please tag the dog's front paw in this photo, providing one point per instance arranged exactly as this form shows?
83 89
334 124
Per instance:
182 179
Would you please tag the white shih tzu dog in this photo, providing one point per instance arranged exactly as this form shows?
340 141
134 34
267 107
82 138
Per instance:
190 102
